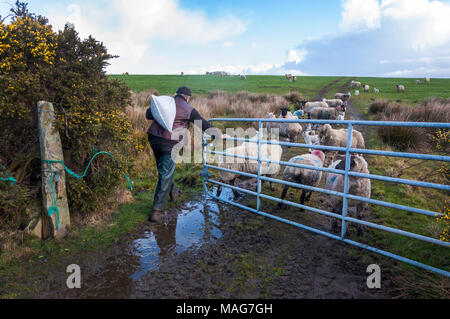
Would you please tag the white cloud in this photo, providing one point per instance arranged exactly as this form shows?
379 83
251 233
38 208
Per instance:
393 38
428 22
296 56
128 29
360 15
228 44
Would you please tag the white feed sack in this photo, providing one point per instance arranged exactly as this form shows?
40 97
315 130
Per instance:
164 111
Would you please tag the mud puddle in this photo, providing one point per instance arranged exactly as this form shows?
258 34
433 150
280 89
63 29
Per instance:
114 274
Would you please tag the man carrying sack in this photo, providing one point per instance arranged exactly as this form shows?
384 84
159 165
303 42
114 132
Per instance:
162 143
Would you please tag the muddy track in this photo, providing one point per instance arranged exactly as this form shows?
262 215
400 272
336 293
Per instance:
322 92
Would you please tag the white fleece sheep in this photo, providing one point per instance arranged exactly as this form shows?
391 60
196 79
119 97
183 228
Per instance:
290 130
324 113
366 88
357 186
427 80
355 84
357 92
271 152
342 96
376 91
338 138
304 176
309 106
400 88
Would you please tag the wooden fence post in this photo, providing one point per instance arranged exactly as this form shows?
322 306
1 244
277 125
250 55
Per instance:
51 149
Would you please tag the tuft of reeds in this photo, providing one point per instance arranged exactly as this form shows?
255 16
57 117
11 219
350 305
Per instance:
415 138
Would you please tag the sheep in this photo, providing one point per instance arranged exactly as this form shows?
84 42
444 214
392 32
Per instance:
303 176
400 88
272 152
357 92
309 106
418 81
290 130
366 88
182 74
338 138
342 96
427 80
288 76
334 103
341 116
243 77
376 91
324 113
355 84
338 104
357 186
294 79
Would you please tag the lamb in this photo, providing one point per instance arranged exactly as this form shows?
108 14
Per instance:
357 92
376 91
309 106
341 116
427 80
417 81
324 113
357 186
366 88
272 152
294 79
243 77
288 76
338 138
311 138
400 88
304 176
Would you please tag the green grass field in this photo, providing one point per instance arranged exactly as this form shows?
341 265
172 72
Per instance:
307 86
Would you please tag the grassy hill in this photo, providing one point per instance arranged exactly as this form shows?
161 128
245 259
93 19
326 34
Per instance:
307 86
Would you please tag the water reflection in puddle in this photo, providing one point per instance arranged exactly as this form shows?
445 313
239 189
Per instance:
197 223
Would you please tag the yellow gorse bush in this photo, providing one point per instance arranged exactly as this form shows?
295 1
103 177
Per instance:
26 43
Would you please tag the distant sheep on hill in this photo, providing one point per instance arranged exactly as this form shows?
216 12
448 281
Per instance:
400 88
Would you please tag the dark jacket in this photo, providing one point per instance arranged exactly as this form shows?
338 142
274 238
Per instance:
185 115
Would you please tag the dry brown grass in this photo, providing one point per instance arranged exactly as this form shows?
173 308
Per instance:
415 138
243 104
216 104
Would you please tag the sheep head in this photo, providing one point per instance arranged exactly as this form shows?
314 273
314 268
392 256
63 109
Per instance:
319 154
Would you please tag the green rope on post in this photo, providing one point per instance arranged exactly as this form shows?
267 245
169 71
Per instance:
8 177
55 209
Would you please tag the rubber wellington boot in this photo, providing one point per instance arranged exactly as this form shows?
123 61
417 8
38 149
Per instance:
174 195
157 217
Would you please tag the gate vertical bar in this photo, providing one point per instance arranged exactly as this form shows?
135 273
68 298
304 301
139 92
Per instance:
260 128
346 183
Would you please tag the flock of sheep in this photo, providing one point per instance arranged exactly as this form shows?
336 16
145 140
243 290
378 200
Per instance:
366 88
323 135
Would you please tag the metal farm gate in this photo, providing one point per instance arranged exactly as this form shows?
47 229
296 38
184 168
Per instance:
346 196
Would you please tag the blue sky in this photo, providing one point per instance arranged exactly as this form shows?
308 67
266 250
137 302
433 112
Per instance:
408 38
